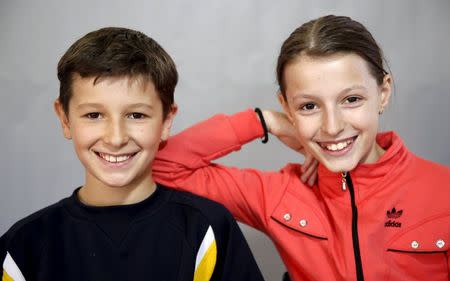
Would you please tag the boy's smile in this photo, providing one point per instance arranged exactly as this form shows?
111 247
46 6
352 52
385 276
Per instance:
116 125
116 159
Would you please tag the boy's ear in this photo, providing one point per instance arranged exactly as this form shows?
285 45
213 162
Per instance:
385 92
167 123
285 106
62 119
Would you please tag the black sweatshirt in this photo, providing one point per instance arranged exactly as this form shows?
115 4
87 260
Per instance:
171 235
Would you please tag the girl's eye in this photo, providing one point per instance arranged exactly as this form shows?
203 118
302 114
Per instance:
308 106
136 115
352 99
93 115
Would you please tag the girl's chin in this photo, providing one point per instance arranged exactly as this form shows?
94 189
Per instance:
335 167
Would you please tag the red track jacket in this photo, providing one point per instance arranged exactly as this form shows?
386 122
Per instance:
391 223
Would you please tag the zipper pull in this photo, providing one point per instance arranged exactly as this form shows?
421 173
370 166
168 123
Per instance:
344 181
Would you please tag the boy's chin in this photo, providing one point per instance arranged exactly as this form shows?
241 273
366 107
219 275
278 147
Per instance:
115 182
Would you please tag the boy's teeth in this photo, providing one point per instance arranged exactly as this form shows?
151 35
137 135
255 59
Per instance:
114 159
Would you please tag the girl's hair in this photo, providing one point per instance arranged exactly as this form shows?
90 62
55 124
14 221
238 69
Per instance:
329 35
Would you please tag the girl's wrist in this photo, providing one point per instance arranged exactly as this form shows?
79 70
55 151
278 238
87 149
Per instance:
262 119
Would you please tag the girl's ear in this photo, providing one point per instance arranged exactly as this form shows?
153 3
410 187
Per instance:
285 107
63 119
385 92
167 123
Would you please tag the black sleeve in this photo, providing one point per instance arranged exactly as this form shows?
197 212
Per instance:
2 254
234 258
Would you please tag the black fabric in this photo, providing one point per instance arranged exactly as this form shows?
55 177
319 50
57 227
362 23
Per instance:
156 239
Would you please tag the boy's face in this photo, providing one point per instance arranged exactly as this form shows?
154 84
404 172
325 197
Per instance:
116 126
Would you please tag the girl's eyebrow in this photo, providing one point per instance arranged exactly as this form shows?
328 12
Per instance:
344 91
354 87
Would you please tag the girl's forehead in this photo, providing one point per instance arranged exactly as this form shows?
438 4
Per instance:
311 75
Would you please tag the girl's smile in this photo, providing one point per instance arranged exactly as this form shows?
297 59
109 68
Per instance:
334 104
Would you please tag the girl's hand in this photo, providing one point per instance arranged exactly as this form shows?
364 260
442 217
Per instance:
279 125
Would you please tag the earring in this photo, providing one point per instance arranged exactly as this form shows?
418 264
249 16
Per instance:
381 111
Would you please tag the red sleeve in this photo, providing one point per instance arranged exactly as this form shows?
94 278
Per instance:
448 263
185 164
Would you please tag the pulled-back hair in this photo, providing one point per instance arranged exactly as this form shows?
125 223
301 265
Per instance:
118 52
330 35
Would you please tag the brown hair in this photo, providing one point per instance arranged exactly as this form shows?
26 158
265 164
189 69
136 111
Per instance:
116 52
329 35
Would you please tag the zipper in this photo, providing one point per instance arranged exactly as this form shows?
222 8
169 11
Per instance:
347 182
344 181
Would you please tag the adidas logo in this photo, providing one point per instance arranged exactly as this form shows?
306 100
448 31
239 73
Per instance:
390 223
394 214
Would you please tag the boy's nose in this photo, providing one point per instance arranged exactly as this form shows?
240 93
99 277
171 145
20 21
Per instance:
332 123
116 134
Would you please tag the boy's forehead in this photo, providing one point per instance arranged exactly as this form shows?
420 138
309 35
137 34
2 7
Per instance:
131 81
134 87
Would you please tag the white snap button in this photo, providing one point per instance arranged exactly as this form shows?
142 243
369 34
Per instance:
287 217
303 223
440 243
415 244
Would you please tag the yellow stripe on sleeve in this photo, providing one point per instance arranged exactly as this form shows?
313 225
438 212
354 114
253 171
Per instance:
206 257
6 277
11 271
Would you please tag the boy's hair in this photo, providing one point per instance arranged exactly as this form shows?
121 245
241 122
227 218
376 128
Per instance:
118 52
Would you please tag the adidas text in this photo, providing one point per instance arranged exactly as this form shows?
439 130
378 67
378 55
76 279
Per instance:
390 223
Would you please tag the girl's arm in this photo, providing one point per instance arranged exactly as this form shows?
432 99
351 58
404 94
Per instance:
185 163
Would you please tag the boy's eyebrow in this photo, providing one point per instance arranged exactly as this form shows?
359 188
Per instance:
97 105
141 105
89 104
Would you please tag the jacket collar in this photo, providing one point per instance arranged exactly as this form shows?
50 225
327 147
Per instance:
368 178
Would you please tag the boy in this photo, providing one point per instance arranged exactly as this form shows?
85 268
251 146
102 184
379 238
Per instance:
116 105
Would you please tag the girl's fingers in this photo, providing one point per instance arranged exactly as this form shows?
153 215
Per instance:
308 161
313 177
309 175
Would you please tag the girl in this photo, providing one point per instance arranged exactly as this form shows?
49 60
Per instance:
376 211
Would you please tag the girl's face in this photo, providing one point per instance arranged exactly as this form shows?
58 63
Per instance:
334 103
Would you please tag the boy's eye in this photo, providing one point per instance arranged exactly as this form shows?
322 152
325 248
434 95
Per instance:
136 115
308 106
93 115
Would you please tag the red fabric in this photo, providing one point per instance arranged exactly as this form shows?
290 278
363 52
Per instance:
311 227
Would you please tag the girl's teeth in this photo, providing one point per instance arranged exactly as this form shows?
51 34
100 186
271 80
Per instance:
339 146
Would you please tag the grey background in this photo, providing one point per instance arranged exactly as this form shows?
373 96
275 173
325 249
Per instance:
226 54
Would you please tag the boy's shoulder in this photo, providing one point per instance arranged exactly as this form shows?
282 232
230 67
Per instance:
36 225
192 214
210 210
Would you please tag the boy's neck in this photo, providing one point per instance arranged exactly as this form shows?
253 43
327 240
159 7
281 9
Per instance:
95 193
